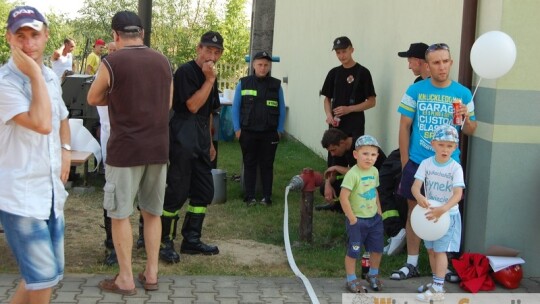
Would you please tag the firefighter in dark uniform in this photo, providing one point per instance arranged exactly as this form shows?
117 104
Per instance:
191 150
258 119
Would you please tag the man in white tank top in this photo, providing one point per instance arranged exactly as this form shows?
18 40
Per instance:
62 58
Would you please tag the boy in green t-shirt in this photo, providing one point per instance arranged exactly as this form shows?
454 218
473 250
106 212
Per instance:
360 203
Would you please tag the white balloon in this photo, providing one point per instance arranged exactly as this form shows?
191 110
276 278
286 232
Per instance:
493 54
426 229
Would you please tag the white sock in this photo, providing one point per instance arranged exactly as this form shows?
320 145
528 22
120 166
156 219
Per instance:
413 260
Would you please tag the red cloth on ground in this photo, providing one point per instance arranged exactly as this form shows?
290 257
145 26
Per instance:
473 269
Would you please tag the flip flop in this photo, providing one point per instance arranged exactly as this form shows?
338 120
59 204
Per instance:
110 286
147 286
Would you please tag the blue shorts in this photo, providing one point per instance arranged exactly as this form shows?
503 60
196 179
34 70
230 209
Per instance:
407 180
38 246
451 241
368 232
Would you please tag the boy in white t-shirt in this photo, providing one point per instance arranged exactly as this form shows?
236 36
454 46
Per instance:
442 178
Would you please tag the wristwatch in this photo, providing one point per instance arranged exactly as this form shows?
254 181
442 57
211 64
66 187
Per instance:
66 147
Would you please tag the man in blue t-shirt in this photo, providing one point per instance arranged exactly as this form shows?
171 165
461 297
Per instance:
426 105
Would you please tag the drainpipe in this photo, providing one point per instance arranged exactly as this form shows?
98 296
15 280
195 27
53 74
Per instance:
468 36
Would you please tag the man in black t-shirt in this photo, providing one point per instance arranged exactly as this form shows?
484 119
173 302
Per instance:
348 91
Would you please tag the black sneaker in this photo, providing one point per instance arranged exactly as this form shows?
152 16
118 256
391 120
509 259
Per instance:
250 202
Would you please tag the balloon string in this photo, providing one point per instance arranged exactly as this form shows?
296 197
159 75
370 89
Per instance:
472 99
474 93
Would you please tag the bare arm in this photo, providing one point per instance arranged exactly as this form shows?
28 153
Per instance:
405 124
346 205
39 115
328 111
369 103
65 138
416 191
56 54
469 126
97 94
171 94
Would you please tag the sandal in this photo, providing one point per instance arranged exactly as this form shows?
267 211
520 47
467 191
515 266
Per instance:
413 272
452 277
374 282
110 286
354 286
424 288
147 286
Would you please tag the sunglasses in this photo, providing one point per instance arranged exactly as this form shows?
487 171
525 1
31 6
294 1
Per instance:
436 47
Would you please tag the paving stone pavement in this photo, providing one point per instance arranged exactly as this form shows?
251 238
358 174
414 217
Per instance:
82 288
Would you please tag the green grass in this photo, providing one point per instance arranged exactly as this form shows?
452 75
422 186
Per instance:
231 220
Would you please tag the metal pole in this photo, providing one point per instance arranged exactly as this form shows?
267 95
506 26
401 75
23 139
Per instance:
145 13
306 217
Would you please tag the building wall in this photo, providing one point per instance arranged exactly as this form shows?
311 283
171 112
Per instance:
303 36
503 165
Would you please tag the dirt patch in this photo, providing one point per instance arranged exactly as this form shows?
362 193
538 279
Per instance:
248 252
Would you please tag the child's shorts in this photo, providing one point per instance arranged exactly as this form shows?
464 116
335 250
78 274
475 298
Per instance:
38 246
368 232
451 241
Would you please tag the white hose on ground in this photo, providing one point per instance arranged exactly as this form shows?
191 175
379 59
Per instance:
288 250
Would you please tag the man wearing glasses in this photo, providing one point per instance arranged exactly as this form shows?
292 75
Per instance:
426 105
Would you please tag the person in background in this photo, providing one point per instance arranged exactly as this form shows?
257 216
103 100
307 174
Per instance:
62 58
196 96
416 128
104 133
391 203
258 119
94 59
360 202
442 178
416 57
136 83
348 91
35 157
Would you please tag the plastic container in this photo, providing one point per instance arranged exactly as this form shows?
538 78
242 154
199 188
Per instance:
220 186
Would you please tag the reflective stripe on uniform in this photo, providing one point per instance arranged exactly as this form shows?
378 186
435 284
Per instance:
389 213
249 92
170 214
272 103
197 210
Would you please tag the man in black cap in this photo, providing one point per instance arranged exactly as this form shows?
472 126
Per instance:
196 96
416 56
348 91
136 83
258 118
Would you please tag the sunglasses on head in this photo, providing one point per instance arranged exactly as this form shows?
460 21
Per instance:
437 46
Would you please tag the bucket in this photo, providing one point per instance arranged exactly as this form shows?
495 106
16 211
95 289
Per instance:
220 186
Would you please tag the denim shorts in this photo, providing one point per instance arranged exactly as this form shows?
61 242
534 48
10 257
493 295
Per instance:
451 241
368 232
38 246
407 180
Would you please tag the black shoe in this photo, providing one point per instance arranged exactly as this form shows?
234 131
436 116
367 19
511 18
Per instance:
111 259
198 248
250 202
140 242
266 201
167 253
335 207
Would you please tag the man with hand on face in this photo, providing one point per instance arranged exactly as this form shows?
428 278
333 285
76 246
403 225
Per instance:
258 119
195 97
34 159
